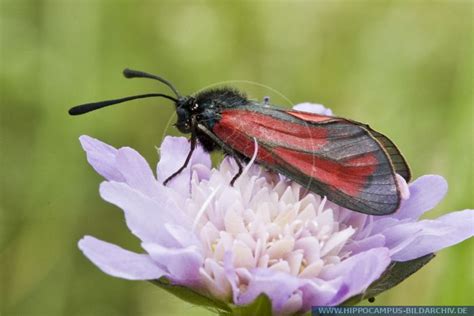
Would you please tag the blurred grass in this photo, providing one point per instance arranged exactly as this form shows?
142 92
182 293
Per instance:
404 67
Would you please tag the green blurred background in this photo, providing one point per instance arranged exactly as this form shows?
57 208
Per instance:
404 67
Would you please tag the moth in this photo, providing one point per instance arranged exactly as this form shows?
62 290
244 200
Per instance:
344 160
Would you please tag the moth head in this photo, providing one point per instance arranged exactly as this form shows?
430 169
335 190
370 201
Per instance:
184 112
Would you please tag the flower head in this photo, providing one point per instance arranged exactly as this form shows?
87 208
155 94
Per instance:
265 234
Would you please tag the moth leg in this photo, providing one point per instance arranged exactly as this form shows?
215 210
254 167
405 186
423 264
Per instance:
237 175
226 148
186 162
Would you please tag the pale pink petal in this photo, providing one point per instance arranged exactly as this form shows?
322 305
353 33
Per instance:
357 272
182 263
173 153
102 158
313 108
183 237
317 292
425 193
278 286
357 246
428 236
136 171
145 216
119 262
403 187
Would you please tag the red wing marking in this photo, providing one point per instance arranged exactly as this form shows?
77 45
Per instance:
348 177
241 143
311 117
270 130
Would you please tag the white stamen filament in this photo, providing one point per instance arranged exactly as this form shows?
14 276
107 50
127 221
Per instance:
204 207
254 156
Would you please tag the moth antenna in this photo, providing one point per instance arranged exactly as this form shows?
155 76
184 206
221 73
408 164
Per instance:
88 107
130 73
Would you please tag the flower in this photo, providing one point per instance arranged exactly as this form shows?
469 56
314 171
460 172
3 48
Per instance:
265 234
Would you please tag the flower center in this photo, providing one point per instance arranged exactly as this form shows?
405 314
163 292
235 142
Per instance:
266 222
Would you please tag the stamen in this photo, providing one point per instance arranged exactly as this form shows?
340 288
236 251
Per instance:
204 207
254 156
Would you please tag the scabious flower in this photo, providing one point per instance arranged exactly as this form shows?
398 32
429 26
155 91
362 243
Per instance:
264 235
